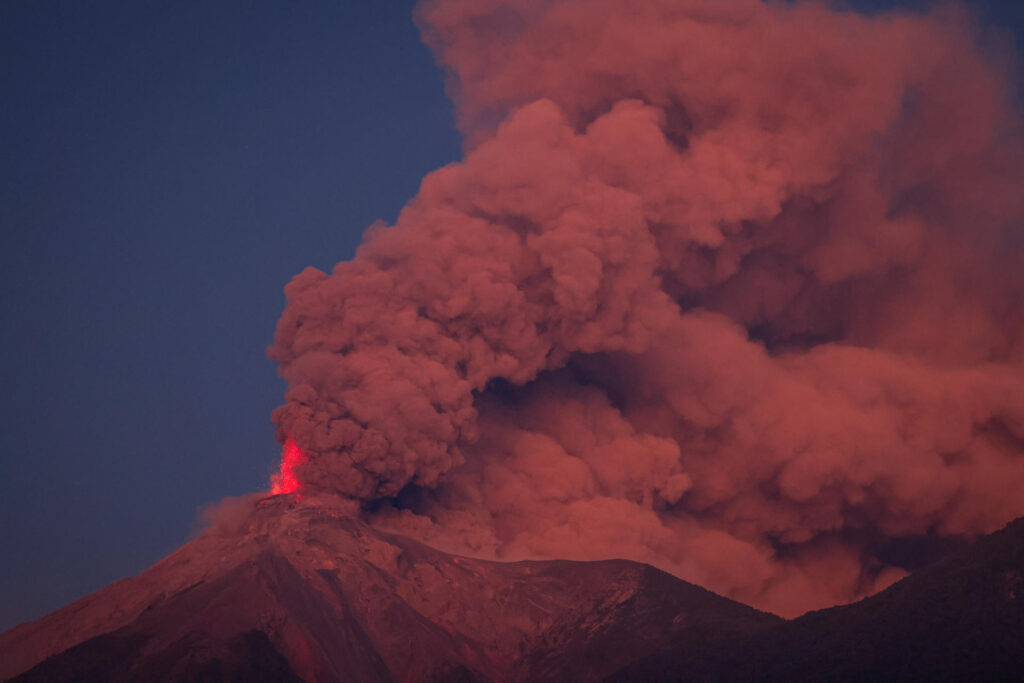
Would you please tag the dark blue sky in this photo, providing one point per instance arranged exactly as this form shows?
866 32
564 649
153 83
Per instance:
164 172
165 168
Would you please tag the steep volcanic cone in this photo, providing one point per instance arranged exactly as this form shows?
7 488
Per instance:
285 591
732 287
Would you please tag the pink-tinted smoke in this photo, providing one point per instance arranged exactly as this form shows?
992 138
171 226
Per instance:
730 286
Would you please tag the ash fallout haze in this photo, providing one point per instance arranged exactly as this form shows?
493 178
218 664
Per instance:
730 288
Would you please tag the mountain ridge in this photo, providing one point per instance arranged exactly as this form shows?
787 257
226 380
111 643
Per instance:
291 591
337 600
960 618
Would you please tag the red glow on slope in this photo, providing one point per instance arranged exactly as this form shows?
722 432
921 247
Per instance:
285 481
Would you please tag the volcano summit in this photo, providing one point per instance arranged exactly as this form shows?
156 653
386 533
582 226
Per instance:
288 591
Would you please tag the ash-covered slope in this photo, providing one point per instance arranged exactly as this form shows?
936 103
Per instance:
297 592
961 619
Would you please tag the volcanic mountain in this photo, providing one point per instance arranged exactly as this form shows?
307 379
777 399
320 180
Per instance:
289 591
293 591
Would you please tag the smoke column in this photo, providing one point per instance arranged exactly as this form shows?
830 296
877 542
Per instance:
729 287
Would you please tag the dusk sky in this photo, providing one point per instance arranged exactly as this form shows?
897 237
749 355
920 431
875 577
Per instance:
163 174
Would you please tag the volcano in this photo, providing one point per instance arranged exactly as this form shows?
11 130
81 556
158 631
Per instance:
293 591
297 592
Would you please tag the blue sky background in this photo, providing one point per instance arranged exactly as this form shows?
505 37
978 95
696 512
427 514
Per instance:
165 168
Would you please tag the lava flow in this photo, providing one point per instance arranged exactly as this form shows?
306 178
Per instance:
285 481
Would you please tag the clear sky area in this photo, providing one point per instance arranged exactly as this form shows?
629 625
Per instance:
165 169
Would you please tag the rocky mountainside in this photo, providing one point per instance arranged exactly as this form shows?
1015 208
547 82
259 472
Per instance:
961 619
296 592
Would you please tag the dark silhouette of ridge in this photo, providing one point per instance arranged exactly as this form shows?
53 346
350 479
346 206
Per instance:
960 619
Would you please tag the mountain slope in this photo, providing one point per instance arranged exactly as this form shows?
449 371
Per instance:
294 592
297 592
960 619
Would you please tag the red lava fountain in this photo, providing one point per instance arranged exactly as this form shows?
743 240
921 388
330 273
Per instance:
285 480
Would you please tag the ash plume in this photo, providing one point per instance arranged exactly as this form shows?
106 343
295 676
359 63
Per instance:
730 287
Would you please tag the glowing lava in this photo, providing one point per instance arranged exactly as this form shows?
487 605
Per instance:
285 481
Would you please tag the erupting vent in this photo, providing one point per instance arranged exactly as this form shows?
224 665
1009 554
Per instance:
285 480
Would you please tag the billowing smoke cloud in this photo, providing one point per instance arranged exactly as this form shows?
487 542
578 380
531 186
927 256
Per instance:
727 286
